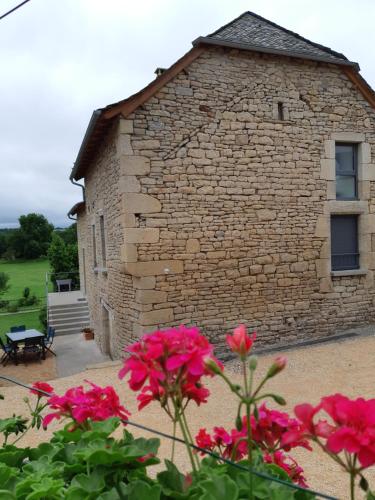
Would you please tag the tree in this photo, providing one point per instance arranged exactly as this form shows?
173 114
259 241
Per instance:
33 237
3 244
63 259
69 234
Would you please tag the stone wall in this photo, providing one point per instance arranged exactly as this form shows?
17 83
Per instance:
219 210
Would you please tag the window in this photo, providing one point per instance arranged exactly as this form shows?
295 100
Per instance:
344 242
102 238
280 111
346 171
94 246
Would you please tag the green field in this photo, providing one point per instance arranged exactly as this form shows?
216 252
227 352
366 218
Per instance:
25 273
29 319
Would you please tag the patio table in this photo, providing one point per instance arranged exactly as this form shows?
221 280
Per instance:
19 337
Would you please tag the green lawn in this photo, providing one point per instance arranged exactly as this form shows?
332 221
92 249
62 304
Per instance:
29 319
25 273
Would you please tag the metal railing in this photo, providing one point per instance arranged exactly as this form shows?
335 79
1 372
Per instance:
242 467
52 278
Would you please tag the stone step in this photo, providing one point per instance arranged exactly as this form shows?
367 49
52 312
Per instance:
68 314
72 330
70 324
68 307
69 319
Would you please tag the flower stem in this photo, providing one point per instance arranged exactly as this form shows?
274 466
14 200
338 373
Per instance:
248 425
352 492
186 439
173 442
189 436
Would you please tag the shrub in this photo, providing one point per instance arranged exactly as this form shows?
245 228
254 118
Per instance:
12 308
4 303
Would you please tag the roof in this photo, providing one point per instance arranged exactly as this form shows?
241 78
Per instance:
247 32
76 208
253 32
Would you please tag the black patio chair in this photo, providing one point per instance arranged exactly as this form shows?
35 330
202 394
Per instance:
8 352
33 346
15 329
48 339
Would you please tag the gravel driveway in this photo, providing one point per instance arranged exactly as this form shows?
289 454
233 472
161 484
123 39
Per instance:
341 366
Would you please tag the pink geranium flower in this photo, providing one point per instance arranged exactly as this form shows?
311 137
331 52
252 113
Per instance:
94 404
172 363
289 465
351 429
240 342
42 386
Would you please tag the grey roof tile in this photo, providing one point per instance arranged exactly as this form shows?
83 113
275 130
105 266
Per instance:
252 31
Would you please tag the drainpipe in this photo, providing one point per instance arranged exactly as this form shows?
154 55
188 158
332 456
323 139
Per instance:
83 194
93 121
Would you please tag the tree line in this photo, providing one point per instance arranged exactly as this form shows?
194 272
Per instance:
35 238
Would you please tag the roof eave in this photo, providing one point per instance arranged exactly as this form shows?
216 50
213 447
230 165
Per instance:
87 137
76 208
256 48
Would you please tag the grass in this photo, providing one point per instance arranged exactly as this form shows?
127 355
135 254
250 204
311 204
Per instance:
29 319
22 274
25 273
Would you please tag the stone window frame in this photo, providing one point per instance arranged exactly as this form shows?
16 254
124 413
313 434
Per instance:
366 221
98 267
285 110
103 242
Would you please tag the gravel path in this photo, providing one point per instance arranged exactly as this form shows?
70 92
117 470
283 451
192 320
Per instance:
345 366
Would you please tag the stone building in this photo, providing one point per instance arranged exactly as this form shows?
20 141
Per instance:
238 186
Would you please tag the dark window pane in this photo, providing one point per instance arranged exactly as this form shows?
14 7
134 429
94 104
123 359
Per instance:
344 242
345 156
345 187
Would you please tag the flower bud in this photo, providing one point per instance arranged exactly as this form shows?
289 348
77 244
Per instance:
239 423
212 366
26 399
278 399
277 366
253 362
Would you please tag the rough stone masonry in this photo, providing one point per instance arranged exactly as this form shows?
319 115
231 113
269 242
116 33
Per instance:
216 209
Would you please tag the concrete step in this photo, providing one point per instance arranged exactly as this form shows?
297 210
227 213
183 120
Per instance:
69 314
68 307
69 319
70 324
68 331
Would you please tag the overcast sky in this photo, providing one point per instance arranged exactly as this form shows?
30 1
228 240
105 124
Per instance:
61 59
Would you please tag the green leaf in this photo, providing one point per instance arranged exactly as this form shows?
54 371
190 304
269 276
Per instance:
45 449
108 495
48 488
66 436
141 490
33 489
7 495
44 467
219 488
13 456
94 483
171 479
7 474
103 428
